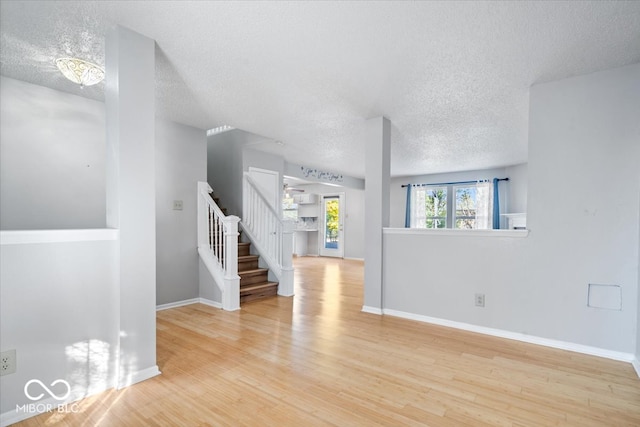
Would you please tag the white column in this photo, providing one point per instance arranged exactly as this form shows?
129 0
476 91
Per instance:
231 291
377 180
285 287
130 118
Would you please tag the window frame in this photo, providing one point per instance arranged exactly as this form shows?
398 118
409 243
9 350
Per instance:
424 219
451 216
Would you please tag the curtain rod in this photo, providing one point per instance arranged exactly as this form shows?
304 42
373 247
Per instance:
453 183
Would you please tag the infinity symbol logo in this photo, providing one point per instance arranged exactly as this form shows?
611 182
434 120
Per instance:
52 394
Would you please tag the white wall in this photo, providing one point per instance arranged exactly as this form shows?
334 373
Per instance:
53 175
637 358
181 161
224 169
583 216
208 289
59 310
516 194
321 176
513 194
229 155
353 219
431 273
262 160
131 194
584 184
52 167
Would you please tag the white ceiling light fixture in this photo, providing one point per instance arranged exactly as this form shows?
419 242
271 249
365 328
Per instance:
219 129
79 71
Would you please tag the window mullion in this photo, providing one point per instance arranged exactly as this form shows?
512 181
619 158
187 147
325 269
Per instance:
450 206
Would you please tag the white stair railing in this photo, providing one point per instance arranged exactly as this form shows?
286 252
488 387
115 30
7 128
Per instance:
269 233
218 246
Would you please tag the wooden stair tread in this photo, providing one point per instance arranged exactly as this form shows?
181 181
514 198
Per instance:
258 291
254 272
257 286
247 257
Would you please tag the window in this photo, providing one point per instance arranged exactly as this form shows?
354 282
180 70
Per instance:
430 207
470 206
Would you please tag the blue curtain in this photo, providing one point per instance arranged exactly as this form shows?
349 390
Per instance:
496 205
407 214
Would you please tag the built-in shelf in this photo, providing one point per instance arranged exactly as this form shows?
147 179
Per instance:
516 221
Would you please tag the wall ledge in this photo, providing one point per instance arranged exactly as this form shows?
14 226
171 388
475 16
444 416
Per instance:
457 233
25 237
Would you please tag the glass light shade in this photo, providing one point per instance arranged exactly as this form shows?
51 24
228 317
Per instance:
81 72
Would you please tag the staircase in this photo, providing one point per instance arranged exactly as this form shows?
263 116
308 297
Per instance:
254 280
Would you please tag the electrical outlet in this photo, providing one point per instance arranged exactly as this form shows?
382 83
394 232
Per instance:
177 205
479 300
7 362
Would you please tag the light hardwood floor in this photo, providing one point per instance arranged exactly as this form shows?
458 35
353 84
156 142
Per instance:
316 360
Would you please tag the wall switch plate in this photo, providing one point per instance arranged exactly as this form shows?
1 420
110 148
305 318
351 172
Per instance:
177 205
7 362
479 300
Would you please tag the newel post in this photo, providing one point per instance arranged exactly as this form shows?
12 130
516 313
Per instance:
231 292
285 288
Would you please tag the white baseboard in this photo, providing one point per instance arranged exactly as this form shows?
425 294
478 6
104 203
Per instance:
210 303
177 304
204 301
372 310
563 345
286 295
636 365
354 259
139 376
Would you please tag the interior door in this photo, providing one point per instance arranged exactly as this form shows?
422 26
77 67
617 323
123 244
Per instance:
268 182
332 223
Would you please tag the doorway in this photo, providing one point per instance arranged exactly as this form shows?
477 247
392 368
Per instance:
332 220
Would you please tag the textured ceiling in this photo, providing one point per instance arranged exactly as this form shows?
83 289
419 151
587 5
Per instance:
453 77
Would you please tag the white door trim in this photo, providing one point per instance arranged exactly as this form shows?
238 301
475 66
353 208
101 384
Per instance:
323 251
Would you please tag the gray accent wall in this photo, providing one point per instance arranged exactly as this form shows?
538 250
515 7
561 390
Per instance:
181 161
